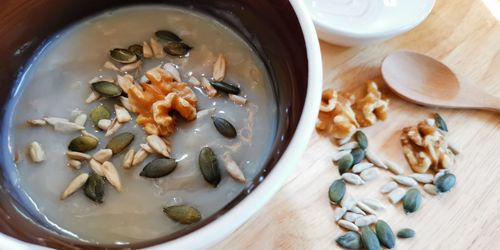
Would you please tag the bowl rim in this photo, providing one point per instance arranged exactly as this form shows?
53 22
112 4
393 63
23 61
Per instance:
240 213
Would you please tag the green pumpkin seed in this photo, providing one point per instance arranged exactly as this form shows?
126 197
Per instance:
177 48
445 182
83 143
226 88
123 55
349 240
224 127
369 239
406 233
209 166
412 200
362 139
94 187
345 163
107 89
440 122
183 214
358 155
99 113
119 142
159 168
337 191
385 234
167 36
137 50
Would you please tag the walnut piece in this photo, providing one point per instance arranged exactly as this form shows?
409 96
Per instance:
372 107
336 116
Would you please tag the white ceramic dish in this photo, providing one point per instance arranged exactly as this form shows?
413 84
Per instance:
359 22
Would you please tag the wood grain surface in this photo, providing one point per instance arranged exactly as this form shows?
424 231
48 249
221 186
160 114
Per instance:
464 35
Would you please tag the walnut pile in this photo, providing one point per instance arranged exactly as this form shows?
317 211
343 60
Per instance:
425 146
153 102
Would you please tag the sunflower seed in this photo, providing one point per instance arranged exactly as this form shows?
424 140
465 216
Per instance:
139 157
183 214
177 48
82 144
360 167
93 96
147 148
146 50
350 216
109 65
158 145
396 195
362 139
431 189
36 152
209 166
96 167
338 155
336 191
373 158
167 36
81 119
339 213
224 127
369 239
349 240
157 48
94 187
74 164
122 55
111 175
172 70
369 174
122 114
209 89
126 104
357 210
388 187
455 148
406 233
115 126
373 203
219 70
394 167
74 185
343 141
37 122
445 182
226 87
405 180
98 113
365 220
137 50
131 67
194 81
412 200
422 178
128 158
103 155
104 124
348 202
345 163
348 225
124 83
440 123
240 100
78 156
385 234
350 145
234 170
365 207
352 178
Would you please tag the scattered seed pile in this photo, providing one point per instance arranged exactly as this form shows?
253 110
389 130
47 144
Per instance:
430 151
151 98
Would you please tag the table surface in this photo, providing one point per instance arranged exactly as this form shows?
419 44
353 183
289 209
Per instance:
465 35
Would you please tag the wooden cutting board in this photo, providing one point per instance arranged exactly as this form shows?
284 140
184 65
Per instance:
465 35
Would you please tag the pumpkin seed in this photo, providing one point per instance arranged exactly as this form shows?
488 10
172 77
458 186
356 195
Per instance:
349 240
98 113
167 36
369 239
336 191
107 89
345 163
385 234
94 187
137 50
412 200
226 87
406 233
440 123
183 214
358 155
177 48
209 166
224 127
348 225
122 55
361 139
445 182
119 142
159 168
82 143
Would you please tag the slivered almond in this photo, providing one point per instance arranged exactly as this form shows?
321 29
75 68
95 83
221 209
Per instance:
139 157
67 127
93 96
173 71
96 166
74 164
234 170
111 175
104 124
81 119
103 155
37 122
109 65
157 48
129 157
194 81
240 100
124 82
209 89
158 145
74 185
78 156
219 70
122 115
54 120
131 66
115 125
126 104
36 152
146 50
147 148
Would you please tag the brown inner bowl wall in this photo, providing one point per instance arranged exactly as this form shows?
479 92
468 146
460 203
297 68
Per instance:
270 26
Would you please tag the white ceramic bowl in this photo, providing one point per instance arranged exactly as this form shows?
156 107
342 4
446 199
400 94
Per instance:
360 22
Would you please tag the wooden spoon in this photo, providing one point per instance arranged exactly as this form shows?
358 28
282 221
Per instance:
424 80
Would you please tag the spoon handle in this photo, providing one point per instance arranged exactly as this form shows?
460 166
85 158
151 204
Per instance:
491 103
